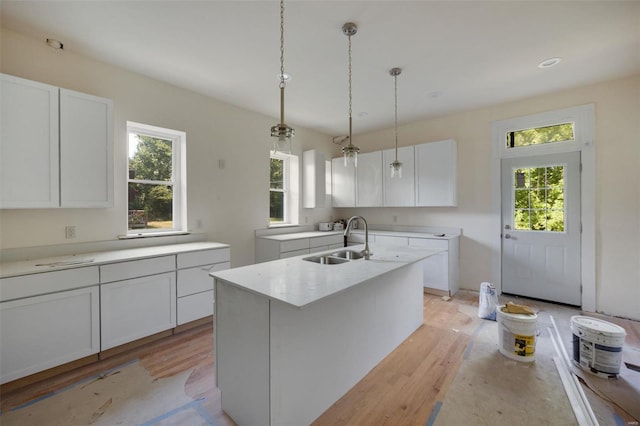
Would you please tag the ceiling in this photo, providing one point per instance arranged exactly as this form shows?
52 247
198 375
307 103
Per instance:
455 55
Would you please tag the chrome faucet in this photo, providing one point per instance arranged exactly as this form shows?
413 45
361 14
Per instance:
366 253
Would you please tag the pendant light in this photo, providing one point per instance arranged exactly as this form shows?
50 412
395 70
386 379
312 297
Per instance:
281 133
396 166
350 151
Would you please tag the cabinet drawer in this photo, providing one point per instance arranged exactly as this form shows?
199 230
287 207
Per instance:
294 253
292 245
196 280
195 306
136 268
47 282
325 240
429 243
203 257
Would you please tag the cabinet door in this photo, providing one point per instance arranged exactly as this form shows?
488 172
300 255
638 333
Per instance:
313 179
369 180
436 267
343 183
42 332
399 192
436 174
28 144
86 150
137 308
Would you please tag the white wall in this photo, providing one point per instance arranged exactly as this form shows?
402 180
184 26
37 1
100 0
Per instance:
617 185
231 202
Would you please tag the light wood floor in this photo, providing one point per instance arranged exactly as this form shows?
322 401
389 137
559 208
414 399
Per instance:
402 390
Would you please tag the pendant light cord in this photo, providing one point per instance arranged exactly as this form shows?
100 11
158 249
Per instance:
395 87
282 84
350 101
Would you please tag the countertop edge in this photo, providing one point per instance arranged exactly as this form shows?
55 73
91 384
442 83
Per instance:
224 275
28 267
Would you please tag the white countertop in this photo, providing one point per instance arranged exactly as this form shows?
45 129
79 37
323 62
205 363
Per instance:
34 266
300 235
299 283
436 236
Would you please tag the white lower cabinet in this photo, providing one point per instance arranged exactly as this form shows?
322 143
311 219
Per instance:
136 308
51 318
42 332
195 285
282 246
440 272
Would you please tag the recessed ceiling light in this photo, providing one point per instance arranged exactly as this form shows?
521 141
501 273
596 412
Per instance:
549 62
56 44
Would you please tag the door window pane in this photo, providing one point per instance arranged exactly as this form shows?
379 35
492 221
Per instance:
538 199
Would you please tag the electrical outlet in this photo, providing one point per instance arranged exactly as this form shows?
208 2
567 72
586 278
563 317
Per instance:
69 232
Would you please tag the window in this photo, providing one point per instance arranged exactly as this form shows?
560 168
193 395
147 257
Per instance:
283 190
278 190
156 180
540 135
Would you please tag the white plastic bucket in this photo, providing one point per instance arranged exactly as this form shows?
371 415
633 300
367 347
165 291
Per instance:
517 335
597 345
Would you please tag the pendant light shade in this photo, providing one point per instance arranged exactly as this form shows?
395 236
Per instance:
396 166
350 151
281 133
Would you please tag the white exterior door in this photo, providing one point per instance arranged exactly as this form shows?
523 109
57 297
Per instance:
541 227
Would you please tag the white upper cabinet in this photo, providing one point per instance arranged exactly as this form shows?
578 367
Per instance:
86 151
56 147
28 144
369 180
313 173
343 183
399 192
436 173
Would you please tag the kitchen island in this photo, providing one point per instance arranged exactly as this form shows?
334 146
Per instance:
293 336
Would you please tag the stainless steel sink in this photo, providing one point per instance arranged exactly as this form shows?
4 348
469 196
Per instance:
325 260
336 257
348 254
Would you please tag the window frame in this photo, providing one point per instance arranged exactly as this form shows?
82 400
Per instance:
178 177
290 183
285 188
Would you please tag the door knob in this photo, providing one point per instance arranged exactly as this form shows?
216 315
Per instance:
507 236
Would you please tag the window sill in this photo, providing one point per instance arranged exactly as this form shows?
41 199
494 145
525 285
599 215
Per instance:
152 234
282 225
